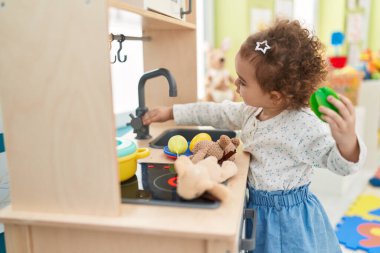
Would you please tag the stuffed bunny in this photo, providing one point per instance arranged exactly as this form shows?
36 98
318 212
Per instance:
206 175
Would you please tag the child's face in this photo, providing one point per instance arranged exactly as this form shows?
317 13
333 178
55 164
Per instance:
248 87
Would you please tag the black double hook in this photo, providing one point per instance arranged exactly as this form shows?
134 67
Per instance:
120 40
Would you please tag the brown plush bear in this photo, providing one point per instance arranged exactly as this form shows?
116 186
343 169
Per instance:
206 176
223 149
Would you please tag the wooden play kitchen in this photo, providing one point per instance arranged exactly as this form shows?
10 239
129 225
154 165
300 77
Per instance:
55 88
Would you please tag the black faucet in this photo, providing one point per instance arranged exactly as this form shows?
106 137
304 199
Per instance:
139 128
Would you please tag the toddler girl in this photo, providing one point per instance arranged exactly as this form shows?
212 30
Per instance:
278 69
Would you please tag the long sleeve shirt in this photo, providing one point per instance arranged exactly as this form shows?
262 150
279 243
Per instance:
284 149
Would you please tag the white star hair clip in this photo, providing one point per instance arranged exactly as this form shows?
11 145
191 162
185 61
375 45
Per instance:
260 44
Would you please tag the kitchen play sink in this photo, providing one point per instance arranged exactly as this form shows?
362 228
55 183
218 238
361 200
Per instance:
162 140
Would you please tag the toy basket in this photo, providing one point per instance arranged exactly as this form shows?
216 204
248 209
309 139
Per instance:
345 81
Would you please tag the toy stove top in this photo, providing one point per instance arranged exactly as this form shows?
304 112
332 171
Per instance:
155 184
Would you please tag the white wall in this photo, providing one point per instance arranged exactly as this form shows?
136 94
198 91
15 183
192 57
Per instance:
205 35
306 13
125 76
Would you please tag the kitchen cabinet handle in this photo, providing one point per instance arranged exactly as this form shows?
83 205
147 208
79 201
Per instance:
186 12
247 244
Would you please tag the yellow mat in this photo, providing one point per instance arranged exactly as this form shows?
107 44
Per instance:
363 206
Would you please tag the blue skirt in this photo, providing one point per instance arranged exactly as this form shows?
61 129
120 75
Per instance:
290 222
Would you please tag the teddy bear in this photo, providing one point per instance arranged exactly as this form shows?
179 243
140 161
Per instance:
223 149
218 79
205 176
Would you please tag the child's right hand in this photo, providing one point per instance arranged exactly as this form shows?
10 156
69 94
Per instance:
158 114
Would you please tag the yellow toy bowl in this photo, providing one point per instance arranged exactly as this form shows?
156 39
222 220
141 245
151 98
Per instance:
128 154
128 164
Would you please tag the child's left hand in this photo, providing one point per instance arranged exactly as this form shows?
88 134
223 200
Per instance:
342 126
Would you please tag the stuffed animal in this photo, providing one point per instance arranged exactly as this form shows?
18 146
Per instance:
218 79
223 149
205 176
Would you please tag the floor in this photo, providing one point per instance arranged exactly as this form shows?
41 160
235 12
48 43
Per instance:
337 204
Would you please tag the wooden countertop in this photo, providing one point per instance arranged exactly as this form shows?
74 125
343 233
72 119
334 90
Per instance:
221 223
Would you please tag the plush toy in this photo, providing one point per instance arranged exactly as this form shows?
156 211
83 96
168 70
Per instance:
218 79
223 149
205 176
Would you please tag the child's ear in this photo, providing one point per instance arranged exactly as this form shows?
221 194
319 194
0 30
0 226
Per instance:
276 97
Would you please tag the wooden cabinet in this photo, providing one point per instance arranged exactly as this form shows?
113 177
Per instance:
55 89
172 46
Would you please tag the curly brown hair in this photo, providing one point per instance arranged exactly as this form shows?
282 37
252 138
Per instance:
294 65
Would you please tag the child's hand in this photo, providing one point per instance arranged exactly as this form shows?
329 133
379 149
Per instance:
342 126
158 114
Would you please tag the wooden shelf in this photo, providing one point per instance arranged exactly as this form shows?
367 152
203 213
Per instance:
152 20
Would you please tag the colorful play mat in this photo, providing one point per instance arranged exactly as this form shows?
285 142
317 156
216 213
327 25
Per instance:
359 229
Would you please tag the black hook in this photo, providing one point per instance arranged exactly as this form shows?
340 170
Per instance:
120 48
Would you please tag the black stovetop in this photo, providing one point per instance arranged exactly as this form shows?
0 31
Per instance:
155 184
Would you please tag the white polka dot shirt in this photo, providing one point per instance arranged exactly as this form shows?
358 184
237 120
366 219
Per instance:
284 149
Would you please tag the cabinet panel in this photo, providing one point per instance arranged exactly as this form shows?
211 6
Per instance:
57 106
18 239
60 240
175 51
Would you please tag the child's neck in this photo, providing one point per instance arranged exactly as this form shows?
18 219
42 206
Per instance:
268 113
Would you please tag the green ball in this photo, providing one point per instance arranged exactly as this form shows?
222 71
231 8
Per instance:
177 144
319 98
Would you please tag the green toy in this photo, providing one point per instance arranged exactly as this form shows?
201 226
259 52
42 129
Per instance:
319 98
